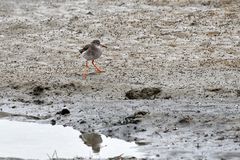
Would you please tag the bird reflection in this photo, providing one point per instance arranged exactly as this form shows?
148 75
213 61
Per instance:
92 140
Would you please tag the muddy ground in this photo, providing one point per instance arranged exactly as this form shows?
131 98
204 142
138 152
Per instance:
189 51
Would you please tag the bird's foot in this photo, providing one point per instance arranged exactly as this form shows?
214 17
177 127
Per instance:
99 71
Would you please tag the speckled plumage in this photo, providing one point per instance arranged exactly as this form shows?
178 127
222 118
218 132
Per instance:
91 52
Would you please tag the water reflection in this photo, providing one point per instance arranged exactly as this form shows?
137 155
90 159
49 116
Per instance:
38 141
92 140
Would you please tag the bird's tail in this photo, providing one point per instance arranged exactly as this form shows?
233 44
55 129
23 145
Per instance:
81 51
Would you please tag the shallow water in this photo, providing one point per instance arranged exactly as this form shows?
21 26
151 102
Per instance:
42 141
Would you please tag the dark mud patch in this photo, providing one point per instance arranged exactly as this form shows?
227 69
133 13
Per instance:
37 91
64 111
38 102
145 93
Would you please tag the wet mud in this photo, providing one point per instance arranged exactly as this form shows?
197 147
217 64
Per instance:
171 82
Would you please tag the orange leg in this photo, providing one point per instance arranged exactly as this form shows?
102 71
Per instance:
98 70
85 73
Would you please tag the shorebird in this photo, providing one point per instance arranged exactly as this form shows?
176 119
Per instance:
91 52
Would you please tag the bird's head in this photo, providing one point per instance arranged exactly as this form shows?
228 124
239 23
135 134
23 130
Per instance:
97 43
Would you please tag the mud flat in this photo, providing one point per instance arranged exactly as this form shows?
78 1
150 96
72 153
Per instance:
171 82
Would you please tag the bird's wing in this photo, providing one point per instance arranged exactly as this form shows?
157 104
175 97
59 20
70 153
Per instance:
84 48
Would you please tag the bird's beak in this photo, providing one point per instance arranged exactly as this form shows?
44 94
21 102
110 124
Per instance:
103 46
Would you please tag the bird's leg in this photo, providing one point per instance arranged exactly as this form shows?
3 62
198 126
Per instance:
85 70
98 70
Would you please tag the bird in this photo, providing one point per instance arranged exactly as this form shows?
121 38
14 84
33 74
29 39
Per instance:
91 52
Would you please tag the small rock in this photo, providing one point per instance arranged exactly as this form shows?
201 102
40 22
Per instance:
175 128
53 122
82 122
194 23
90 13
64 111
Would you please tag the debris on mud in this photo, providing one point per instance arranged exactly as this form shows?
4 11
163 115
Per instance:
64 111
15 87
38 102
122 158
166 130
82 122
167 97
70 86
90 13
21 100
213 89
221 138
135 118
185 120
145 93
142 143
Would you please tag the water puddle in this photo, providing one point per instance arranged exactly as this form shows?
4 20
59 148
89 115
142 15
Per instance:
43 141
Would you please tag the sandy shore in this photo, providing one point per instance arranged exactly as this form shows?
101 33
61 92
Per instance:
189 50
